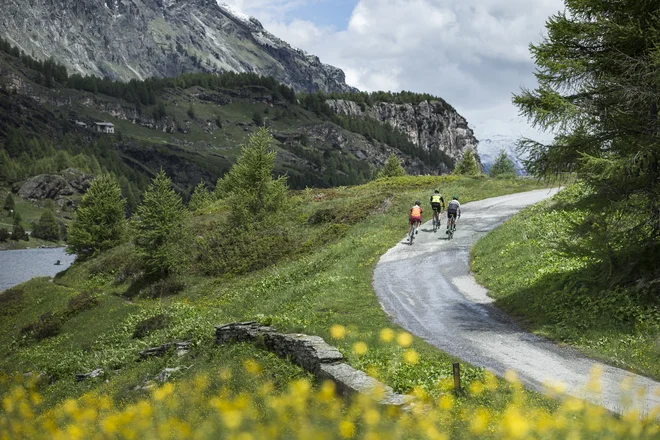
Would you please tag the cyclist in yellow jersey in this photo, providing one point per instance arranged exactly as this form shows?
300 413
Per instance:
437 204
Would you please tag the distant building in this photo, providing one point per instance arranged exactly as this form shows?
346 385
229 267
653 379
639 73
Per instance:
81 124
104 127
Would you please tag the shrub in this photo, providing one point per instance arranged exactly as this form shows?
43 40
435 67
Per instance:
48 325
4 234
81 302
148 325
164 287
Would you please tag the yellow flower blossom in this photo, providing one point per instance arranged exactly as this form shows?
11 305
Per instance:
371 417
479 422
404 339
387 335
360 348
346 429
410 357
338 331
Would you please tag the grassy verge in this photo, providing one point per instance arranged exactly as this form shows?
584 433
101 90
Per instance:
540 269
323 279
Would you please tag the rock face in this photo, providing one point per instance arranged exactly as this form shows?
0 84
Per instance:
126 39
429 124
55 186
316 356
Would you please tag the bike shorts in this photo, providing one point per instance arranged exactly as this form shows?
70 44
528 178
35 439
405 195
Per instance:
451 214
437 207
414 219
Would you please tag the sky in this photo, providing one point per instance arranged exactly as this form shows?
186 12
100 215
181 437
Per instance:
472 53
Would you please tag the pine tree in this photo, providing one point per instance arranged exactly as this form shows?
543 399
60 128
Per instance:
9 203
160 226
47 227
597 71
200 199
191 111
503 166
468 165
18 232
100 221
249 186
258 118
392 168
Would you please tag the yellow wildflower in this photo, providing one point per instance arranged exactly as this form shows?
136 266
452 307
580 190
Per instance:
338 331
360 348
387 335
411 357
346 429
404 339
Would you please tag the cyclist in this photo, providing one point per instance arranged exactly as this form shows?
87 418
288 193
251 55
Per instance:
437 204
453 209
415 217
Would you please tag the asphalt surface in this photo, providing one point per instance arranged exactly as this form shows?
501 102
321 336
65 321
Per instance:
427 288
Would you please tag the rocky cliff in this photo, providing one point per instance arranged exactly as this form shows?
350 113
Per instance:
429 124
126 39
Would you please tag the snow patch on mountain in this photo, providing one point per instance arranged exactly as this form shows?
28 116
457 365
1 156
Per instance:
237 14
489 148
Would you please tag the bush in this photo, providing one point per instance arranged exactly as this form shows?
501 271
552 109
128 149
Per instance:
146 326
164 287
4 234
48 325
80 303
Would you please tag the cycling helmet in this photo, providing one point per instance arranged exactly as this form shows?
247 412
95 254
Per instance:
417 202
437 191
454 197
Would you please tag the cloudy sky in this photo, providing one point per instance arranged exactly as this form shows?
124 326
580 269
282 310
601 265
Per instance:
472 53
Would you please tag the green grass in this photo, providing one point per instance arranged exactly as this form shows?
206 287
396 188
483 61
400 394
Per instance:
556 281
312 287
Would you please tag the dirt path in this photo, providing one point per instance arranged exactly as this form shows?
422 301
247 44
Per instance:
427 288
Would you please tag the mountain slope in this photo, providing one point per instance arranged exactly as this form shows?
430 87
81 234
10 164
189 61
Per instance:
136 39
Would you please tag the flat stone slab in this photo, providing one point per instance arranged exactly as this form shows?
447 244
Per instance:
314 355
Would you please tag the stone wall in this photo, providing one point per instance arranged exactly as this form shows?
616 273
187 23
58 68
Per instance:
314 355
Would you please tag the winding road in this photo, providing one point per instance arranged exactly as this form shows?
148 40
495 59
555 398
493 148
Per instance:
427 288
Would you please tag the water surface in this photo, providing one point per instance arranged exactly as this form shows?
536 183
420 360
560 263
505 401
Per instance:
18 266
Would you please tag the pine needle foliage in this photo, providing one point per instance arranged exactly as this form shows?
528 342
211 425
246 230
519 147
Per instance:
100 221
249 186
468 165
503 166
599 93
392 168
200 199
160 225
47 227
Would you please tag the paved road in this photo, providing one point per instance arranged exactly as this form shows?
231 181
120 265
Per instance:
427 288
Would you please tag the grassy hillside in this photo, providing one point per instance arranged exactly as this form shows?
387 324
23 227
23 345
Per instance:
563 283
101 313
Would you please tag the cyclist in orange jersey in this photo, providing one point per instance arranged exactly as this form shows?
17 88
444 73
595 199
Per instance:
415 216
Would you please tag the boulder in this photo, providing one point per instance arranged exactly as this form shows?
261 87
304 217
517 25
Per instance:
56 186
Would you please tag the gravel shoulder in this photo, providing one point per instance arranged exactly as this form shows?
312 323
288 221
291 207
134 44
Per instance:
427 288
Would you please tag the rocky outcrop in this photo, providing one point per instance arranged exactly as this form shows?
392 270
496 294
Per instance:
429 124
314 355
127 39
55 186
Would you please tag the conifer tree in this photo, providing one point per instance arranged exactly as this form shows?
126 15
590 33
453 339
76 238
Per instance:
47 227
9 203
100 221
392 168
160 223
597 71
468 165
200 199
249 186
502 166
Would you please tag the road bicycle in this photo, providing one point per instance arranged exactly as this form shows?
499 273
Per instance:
452 227
411 234
436 220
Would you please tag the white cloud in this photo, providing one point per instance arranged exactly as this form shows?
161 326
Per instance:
473 53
